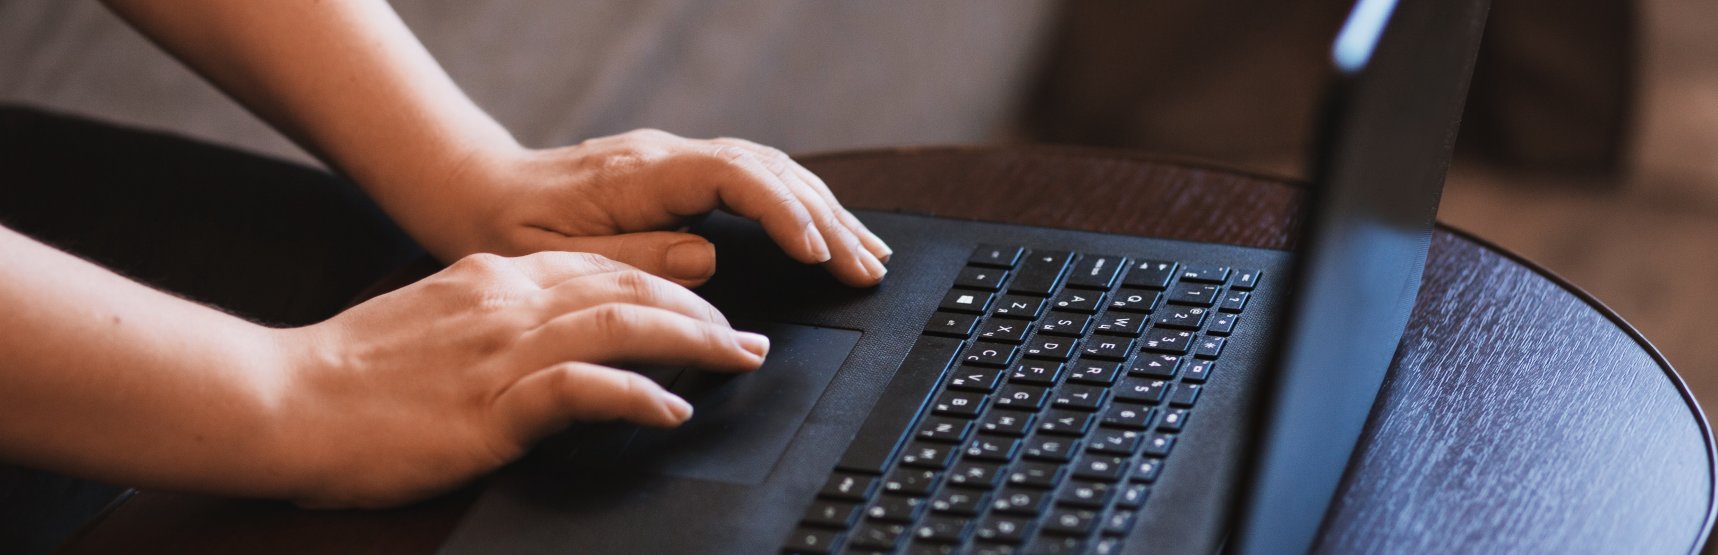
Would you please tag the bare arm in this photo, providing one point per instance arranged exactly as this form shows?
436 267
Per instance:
403 396
348 81
110 379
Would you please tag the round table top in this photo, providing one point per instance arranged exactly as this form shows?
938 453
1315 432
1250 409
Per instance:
1520 413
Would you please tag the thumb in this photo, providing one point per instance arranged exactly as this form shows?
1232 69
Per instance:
683 258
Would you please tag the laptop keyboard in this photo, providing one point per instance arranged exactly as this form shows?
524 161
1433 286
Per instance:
1035 412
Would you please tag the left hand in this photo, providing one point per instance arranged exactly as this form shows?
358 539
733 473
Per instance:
626 196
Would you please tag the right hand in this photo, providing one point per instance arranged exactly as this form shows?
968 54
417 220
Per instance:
421 389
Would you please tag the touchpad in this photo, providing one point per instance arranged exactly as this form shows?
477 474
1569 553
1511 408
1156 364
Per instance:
741 423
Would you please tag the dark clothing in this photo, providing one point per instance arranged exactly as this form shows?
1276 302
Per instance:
269 241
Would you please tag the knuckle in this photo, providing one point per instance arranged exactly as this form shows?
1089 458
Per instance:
612 321
713 338
636 286
481 263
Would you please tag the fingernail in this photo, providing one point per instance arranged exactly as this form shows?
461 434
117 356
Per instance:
753 343
677 407
872 267
691 260
887 252
814 242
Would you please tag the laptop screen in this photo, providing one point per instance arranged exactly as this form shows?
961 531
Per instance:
1401 71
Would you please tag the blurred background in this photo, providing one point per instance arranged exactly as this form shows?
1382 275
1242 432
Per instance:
1590 145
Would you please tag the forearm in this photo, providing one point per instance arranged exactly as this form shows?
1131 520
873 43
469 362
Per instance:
105 378
349 82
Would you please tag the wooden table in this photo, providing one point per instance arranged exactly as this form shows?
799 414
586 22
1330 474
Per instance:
1520 414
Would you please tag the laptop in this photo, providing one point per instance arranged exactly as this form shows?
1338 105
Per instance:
1014 389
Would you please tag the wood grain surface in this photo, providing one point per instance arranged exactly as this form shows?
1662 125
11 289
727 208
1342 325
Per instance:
1520 416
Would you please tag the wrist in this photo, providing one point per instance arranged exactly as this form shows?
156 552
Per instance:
447 201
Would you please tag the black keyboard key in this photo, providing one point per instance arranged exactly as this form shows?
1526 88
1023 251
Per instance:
1095 372
1035 474
1050 447
992 448
944 429
1107 546
1074 300
1051 348
1153 274
1142 390
1128 416
1100 468
1182 317
941 529
1208 347
1161 340
849 486
974 474
1132 496
984 353
910 482
1205 274
1158 445
1194 294
969 302
1036 372
812 541
1118 523
1004 330
1065 422
1246 280
1184 395
1108 348
1233 301
899 405
1020 500
1040 272
878 535
1003 529
959 501
1096 272
1199 371
1223 324
996 256
1056 545
1064 324
1022 397
1006 423
1173 420
894 508
1120 323
975 378
1133 300
1147 469
922 547
1115 442
926 454
949 324
1081 493
959 404
983 279
1071 521
1019 307
1162 367
832 514
1079 397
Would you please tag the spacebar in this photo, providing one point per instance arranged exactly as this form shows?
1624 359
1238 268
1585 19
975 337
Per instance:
906 395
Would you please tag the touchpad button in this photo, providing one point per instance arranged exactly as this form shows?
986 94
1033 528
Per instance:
741 423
